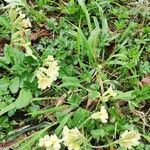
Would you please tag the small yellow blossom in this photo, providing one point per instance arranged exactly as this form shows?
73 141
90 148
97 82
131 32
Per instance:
102 115
50 142
28 23
72 138
129 139
48 60
44 82
21 26
109 93
47 73
29 52
43 140
18 19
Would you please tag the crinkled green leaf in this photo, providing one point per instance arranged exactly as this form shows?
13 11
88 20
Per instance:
14 85
24 99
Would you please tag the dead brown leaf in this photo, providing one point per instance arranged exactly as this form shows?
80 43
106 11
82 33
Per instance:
2 44
145 80
60 101
39 33
6 144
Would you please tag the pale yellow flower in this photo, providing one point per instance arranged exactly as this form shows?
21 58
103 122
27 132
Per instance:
21 26
18 19
129 139
52 72
50 142
44 82
29 52
108 94
48 60
72 138
111 92
43 140
102 115
47 73
28 23
53 67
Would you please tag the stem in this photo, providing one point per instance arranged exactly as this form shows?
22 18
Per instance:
107 145
44 98
84 123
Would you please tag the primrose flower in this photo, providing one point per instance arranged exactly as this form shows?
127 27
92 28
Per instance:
28 23
50 142
24 22
53 67
43 140
18 19
102 115
48 60
44 82
72 138
109 93
47 73
129 139
21 25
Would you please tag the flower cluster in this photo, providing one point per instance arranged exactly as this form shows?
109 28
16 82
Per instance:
20 27
102 115
129 139
18 19
50 142
72 139
47 73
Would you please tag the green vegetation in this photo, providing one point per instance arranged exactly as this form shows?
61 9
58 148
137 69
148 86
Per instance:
76 70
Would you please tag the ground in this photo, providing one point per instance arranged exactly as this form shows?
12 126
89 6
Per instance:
75 67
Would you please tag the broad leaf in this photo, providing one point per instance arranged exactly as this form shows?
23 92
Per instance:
13 56
24 99
70 82
14 85
4 83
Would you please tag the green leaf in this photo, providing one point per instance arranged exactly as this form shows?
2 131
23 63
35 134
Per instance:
85 10
70 82
124 95
48 111
14 85
34 138
142 94
147 137
62 124
93 94
79 117
7 108
13 56
3 63
75 99
24 99
97 134
93 38
5 23
4 83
